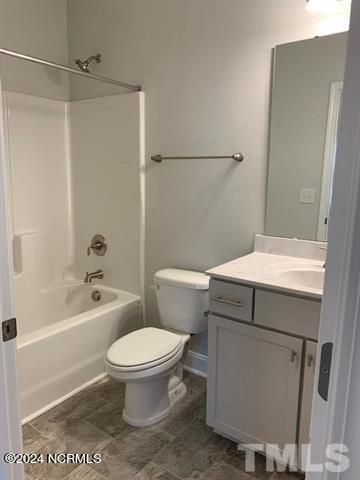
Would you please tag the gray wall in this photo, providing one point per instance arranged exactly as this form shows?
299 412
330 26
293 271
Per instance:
39 28
205 67
303 75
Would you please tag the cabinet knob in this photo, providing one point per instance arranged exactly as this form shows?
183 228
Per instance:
310 360
293 356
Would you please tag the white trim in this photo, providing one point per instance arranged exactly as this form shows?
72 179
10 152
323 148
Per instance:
70 187
336 421
10 431
142 170
336 89
63 398
196 363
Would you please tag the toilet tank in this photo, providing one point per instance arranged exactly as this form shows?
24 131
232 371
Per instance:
183 298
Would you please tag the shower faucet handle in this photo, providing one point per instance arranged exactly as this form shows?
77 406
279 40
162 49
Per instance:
98 245
93 246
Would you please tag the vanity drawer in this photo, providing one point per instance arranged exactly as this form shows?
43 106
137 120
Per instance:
289 314
232 300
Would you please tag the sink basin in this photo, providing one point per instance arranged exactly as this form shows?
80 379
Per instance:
305 277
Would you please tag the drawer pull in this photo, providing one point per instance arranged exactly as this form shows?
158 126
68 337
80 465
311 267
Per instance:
234 303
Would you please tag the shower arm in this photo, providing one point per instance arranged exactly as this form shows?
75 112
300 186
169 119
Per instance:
84 64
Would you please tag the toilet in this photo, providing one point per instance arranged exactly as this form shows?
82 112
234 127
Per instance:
149 360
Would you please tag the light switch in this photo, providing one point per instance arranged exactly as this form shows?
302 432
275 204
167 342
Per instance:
307 195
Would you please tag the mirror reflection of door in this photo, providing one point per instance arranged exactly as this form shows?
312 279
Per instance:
329 157
306 99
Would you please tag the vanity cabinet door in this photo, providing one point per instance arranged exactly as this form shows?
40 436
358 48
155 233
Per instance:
253 382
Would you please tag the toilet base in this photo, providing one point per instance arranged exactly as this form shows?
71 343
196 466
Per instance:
148 402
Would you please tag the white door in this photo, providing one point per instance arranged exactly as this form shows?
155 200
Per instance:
336 420
10 430
332 128
253 382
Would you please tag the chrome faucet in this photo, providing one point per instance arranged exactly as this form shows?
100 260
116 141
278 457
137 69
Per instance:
90 276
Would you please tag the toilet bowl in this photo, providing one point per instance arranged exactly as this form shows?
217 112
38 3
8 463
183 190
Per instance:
149 360
145 360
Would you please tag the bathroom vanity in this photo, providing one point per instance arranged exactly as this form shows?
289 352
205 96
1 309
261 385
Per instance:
263 329
264 311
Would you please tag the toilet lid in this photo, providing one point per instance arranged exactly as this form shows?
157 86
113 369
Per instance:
145 346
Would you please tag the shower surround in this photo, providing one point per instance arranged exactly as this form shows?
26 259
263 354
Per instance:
75 169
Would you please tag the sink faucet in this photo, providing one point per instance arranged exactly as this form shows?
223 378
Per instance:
90 276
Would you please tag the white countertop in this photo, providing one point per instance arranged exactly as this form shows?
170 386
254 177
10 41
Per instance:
267 270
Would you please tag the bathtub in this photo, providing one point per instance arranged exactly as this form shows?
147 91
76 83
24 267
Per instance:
66 353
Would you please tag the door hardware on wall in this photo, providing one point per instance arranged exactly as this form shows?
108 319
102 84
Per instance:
324 371
9 329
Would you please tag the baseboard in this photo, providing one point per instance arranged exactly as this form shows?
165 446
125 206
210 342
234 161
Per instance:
63 398
196 363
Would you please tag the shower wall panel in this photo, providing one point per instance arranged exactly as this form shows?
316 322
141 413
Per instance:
106 146
37 143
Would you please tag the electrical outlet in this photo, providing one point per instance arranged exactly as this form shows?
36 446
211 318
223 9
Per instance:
307 195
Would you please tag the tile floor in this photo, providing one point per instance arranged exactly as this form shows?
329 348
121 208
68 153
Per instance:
181 447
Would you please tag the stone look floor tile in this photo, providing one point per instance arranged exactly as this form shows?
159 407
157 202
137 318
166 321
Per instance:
46 471
109 390
80 438
153 472
287 476
181 447
192 452
84 472
236 458
80 405
84 438
77 438
199 407
63 425
32 439
109 419
130 452
224 471
195 382
189 408
69 413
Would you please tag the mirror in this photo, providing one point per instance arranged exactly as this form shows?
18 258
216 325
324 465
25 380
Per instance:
305 107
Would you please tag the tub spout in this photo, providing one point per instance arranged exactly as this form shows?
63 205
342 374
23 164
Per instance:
89 277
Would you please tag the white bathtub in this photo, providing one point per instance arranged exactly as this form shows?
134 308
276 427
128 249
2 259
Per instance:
67 352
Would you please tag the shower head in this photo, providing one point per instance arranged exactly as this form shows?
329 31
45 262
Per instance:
84 64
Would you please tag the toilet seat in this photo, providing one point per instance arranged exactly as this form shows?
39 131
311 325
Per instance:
143 349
